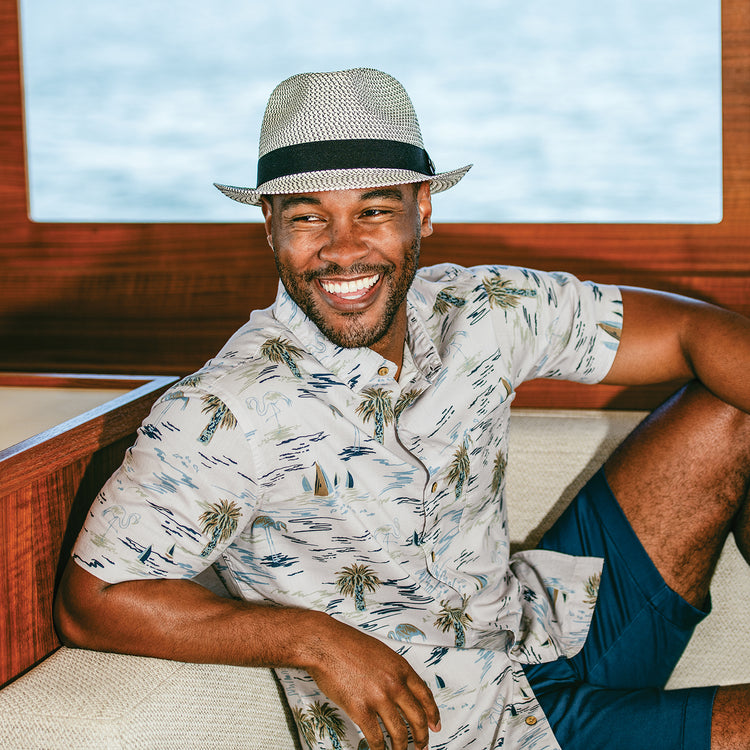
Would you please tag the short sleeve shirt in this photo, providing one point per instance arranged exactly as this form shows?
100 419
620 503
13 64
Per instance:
311 477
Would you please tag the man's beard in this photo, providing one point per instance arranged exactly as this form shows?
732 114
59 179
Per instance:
353 333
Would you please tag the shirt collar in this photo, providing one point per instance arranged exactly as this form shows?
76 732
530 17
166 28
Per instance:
360 367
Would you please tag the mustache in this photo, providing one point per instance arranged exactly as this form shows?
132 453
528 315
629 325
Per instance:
356 269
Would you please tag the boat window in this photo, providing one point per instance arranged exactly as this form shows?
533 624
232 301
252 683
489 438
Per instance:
573 110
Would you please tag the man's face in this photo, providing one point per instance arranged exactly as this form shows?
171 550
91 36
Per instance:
348 257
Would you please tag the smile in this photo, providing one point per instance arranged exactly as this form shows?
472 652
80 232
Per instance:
350 289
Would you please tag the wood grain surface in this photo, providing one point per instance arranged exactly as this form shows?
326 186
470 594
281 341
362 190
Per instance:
47 484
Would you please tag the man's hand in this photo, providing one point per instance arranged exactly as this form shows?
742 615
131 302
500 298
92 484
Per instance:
178 619
371 682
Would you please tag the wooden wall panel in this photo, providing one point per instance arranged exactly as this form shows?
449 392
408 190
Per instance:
47 485
41 520
164 297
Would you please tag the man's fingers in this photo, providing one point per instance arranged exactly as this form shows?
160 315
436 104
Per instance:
413 710
396 728
373 732
426 699
401 709
374 685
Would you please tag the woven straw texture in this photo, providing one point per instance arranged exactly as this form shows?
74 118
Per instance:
357 103
361 103
92 701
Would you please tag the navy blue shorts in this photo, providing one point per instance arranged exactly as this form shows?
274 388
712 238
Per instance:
610 695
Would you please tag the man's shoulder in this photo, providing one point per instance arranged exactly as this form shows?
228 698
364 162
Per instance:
454 273
468 286
262 350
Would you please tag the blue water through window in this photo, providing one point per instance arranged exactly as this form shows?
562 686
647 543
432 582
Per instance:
570 110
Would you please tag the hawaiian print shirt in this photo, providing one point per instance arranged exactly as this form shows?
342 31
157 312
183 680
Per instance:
310 477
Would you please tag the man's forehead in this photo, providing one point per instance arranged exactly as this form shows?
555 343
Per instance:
287 200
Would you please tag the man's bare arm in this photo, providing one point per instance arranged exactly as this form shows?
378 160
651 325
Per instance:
181 620
668 337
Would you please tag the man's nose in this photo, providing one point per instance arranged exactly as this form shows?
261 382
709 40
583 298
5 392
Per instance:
343 246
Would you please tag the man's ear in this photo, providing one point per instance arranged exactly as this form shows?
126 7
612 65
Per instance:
424 204
267 207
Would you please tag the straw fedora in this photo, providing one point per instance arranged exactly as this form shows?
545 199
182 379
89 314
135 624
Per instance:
340 130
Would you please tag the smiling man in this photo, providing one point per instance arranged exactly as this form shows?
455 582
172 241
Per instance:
341 463
368 243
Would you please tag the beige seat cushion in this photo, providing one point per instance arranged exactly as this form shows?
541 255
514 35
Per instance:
84 700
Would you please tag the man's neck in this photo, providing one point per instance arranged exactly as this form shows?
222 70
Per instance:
391 346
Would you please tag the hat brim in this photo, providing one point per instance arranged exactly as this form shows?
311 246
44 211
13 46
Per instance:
341 179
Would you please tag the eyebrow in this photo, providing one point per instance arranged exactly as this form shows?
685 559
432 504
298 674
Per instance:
393 193
389 193
297 200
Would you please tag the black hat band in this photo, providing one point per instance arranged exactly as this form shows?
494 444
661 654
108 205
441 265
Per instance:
358 153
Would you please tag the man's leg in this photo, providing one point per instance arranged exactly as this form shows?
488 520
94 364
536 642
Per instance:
682 480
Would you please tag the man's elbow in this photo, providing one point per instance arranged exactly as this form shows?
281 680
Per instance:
75 612
67 626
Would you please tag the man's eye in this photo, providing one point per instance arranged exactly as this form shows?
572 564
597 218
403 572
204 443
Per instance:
304 219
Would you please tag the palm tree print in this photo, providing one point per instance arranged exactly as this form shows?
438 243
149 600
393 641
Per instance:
454 618
175 393
189 382
459 468
406 399
445 299
500 293
327 721
280 350
306 726
220 417
354 580
377 406
498 471
592 590
220 521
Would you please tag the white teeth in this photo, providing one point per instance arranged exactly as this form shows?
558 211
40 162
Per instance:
349 287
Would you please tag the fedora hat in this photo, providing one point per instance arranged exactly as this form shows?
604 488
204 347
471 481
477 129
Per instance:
341 130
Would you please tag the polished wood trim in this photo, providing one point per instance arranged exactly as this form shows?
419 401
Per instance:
75 380
560 394
47 484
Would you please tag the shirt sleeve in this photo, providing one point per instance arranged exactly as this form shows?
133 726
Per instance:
559 327
182 494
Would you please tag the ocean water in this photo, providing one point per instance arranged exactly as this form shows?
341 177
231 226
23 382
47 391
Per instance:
570 110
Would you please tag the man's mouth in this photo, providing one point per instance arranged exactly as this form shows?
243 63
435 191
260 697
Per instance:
350 289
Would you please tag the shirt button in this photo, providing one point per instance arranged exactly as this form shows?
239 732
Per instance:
531 720
383 371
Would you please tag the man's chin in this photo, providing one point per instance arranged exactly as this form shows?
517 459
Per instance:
351 339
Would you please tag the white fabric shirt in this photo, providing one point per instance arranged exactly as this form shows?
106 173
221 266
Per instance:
312 478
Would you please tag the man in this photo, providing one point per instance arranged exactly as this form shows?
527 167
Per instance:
341 462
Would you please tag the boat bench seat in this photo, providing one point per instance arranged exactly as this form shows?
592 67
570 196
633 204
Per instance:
83 699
